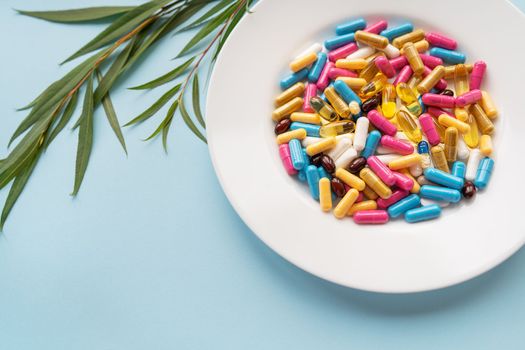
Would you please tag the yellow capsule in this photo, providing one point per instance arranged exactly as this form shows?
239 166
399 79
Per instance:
350 179
440 129
416 187
484 123
373 87
337 102
325 194
303 61
485 145
461 114
488 105
369 193
451 143
409 126
345 203
413 82
288 108
405 93
285 137
353 64
337 128
294 91
369 72
450 70
415 108
323 109
413 58
310 118
388 104
353 83
374 56
320 146
373 40
405 161
447 121
364 205
375 183
421 46
414 36
431 79
472 137
439 159
461 80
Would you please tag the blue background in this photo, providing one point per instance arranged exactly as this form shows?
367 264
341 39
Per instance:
151 255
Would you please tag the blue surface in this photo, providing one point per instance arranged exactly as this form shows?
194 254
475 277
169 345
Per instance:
151 255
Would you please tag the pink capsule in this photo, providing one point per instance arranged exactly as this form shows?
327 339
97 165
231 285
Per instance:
381 170
436 100
398 62
403 181
429 129
370 217
342 52
430 61
399 146
468 98
394 198
324 79
441 84
403 76
436 112
334 73
284 152
309 92
476 77
384 66
376 28
360 196
381 123
439 40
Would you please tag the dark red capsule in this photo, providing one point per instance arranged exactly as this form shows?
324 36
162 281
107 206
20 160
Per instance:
447 92
328 163
371 103
316 159
357 165
282 126
338 187
468 190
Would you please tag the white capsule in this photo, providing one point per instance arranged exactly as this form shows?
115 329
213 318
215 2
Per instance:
415 170
426 201
349 136
387 158
422 180
310 140
463 151
361 132
345 158
315 47
391 51
363 52
472 164
401 136
342 145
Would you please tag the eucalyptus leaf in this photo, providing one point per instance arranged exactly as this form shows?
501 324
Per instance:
148 113
164 125
64 119
166 78
206 16
196 100
189 122
78 15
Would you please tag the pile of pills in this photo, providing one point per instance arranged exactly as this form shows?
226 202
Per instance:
379 128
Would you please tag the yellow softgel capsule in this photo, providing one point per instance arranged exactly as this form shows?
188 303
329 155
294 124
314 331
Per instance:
472 137
404 162
439 159
325 194
373 40
289 135
337 102
447 121
374 86
484 123
369 72
461 114
413 58
303 117
413 36
337 128
488 105
431 79
405 93
451 143
413 82
286 109
350 179
485 145
388 103
323 109
364 205
409 126
461 81
369 193
345 203
440 129
375 183
320 146
353 83
352 64
450 70
417 186
303 61
295 90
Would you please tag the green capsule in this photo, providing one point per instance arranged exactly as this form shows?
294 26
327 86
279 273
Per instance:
323 109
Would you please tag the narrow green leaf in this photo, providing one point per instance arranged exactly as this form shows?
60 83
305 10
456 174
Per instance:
164 125
189 122
155 107
64 119
206 16
78 15
112 115
166 78
85 137
165 131
233 23
196 100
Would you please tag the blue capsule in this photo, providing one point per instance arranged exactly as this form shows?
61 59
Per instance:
484 173
372 140
301 175
423 213
443 178
312 176
338 41
448 56
400 207
296 153
459 169
422 147
317 67
293 78
311 129
323 173
350 26
392 33
440 193
345 92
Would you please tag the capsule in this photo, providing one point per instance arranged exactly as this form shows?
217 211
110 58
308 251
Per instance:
325 194
484 123
372 103
289 135
317 67
403 181
484 172
392 33
310 91
323 173
431 79
370 217
320 146
369 72
461 114
350 179
431 61
459 169
361 132
472 137
377 27
373 40
361 206
429 129
373 87
439 159
362 52
296 154
415 187
293 78
334 73
303 61
295 90
352 83
421 46
396 196
485 145
383 64
311 129
342 145
405 93
488 105
375 183
286 158
469 190
345 158
439 193
412 55
337 128
350 27
381 170
423 150
405 204
476 77
472 164
388 104
445 179
448 121
451 143
352 64
342 52
468 98
426 212
310 118
381 123
345 203
405 161
324 79
397 145
282 126
286 109
441 101
312 177
450 70
323 109
338 41
337 102
412 37
439 40
345 92
403 76
448 56
463 150
399 63
409 126
391 51
371 143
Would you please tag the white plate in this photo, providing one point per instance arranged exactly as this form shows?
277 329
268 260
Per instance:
398 257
